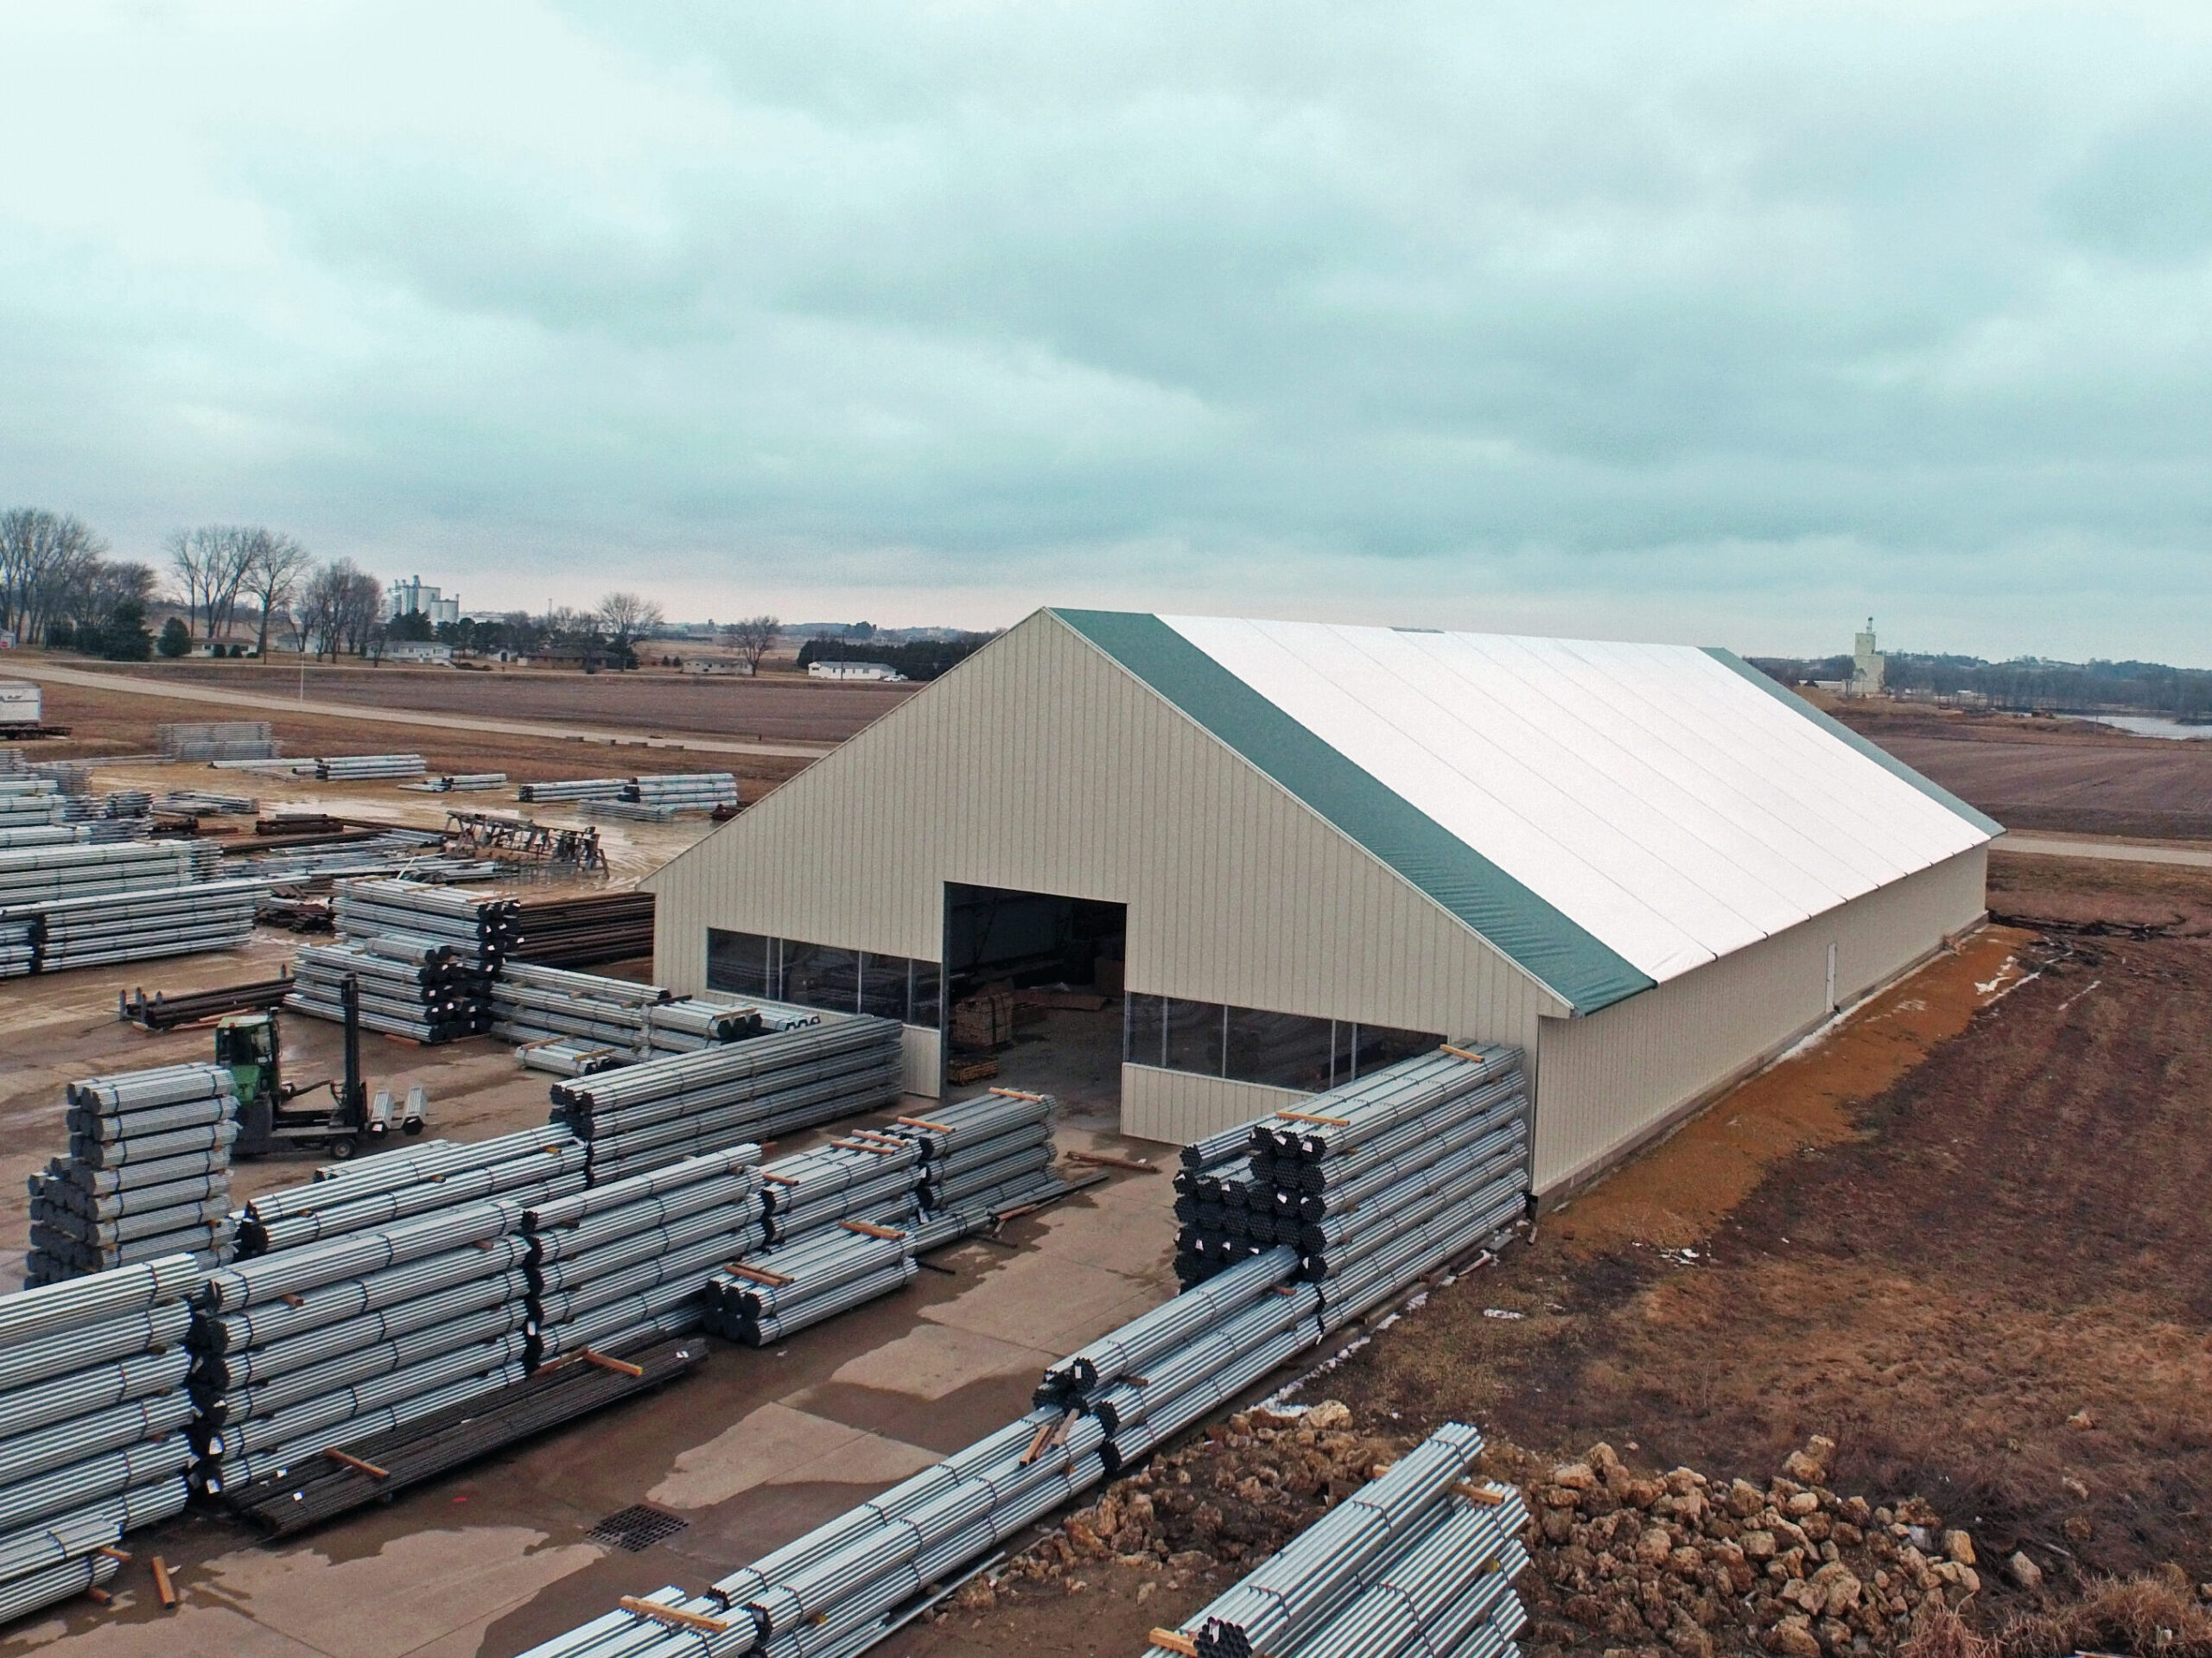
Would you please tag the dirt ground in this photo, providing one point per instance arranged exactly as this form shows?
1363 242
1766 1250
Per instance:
2053 774
787 706
102 724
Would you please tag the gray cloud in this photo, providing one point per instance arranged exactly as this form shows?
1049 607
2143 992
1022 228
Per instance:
1716 324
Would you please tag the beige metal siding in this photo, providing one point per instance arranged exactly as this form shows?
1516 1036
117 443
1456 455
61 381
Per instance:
1041 765
1179 1108
922 1052
1607 1081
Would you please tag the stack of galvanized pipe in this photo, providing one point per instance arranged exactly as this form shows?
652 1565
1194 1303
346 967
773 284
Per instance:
300 1351
405 987
684 792
424 956
845 1221
148 1174
92 1402
1420 1561
842 1587
831 1593
85 905
573 1023
26 800
1440 1138
626 1262
641 1116
985 1153
532 1165
574 789
361 768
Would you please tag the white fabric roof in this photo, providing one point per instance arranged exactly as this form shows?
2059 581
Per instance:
1650 793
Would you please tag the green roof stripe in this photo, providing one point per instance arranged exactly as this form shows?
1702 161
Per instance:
1835 727
1580 967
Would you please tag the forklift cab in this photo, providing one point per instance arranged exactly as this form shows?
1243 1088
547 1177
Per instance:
245 1044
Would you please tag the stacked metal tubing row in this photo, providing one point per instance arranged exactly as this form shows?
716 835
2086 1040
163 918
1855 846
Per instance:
357 768
532 1165
459 783
641 1116
148 1174
94 1406
221 739
582 931
574 789
304 1350
1363 1163
25 801
574 1023
837 1590
422 989
629 810
626 1262
847 1221
1419 1562
684 790
42 834
84 904
424 956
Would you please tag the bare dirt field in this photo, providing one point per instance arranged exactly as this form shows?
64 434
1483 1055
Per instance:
1964 1236
2054 774
786 707
105 724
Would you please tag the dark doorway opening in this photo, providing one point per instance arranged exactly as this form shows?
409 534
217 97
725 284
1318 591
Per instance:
1033 986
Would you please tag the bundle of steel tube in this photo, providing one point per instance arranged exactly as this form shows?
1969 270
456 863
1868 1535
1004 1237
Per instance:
360 768
533 1165
44 875
846 1221
583 930
626 1262
132 925
28 801
42 833
1419 1562
300 1351
843 1586
684 790
407 987
1434 1137
148 1174
574 789
533 1004
633 811
200 802
424 956
640 1116
459 783
94 1406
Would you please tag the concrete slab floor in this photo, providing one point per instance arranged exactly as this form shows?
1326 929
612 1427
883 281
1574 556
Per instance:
754 1449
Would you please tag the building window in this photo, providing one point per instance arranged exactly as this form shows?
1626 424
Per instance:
1254 1045
824 975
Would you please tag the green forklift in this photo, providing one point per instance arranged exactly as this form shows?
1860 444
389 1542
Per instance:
269 1120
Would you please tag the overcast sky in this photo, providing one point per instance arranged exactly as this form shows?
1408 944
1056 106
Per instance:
1717 324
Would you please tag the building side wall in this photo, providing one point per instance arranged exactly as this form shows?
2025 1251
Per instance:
1179 1108
1606 1083
1041 765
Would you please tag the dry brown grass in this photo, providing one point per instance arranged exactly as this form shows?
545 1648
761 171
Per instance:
2152 1614
1940 1632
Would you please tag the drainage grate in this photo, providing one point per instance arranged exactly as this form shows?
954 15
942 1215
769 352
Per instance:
637 1528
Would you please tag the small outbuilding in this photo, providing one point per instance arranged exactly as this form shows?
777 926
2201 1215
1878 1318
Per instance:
1288 852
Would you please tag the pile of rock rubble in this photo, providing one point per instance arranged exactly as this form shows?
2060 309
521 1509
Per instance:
1673 1565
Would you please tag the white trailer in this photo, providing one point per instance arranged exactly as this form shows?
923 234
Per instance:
19 704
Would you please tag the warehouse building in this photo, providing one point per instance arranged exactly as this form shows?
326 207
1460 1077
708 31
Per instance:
1293 851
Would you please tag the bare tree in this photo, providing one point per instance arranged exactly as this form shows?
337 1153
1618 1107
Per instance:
273 575
753 638
624 618
41 553
339 608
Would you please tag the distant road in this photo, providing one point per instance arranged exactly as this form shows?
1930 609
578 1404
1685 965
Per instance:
2053 846
129 685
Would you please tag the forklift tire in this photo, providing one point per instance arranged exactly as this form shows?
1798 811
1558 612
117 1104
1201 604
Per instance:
342 1149
412 1126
